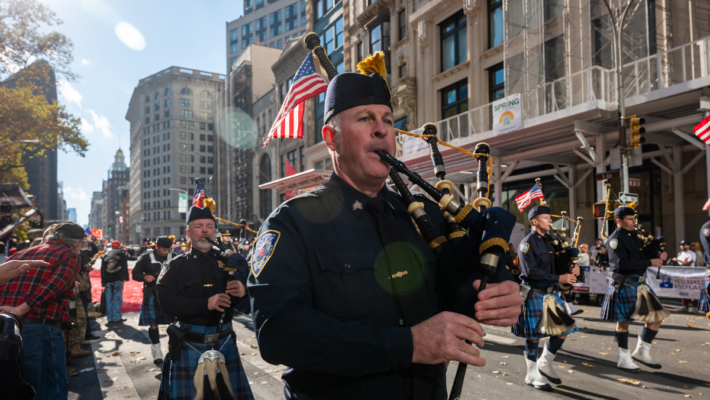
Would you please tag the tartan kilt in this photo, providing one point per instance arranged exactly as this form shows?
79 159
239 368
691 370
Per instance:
150 316
182 370
620 307
529 318
704 302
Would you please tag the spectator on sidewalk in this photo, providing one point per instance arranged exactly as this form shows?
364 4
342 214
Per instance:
602 258
594 250
114 271
40 297
695 247
687 258
583 260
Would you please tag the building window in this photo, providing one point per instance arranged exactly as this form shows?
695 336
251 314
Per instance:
332 36
233 35
318 133
401 124
202 148
403 70
206 115
454 99
303 14
360 52
261 29
186 113
206 105
275 19
279 44
265 195
302 158
234 47
283 165
380 40
206 95
495 23
321 7
247 32
259 4
291 17
454 49
186 92
402 17
496 82
272 45
185 103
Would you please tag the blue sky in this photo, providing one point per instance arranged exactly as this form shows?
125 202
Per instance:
117 43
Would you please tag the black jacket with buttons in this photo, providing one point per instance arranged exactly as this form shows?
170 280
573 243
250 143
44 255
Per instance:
322 297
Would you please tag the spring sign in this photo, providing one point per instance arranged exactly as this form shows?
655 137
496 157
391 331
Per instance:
507 115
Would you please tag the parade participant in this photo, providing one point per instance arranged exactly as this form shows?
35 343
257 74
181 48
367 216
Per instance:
40 297
194 288
114 271
537 269
321 277
627 296
687 258
704 303
227 240
146 270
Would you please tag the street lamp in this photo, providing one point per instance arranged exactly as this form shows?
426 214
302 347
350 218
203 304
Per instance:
33 141
617 25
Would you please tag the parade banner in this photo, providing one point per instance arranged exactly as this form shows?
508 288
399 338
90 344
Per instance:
595 281
679 283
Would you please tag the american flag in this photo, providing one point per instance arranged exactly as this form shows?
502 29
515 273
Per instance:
707 205
524 200
120 219
199 199
702 130
307 83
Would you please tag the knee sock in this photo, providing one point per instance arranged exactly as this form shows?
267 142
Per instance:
567 297
623 339
531 350
154 336
648 335
554 344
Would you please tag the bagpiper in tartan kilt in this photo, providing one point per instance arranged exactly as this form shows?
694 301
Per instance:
151 316
529 319
620 306
179 375
704 302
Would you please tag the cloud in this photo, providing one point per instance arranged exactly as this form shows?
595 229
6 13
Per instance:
70 94
74 193
85 61
130 36
99 123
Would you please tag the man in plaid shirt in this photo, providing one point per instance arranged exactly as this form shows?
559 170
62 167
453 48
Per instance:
40 298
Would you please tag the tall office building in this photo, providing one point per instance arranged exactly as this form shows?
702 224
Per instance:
268 23
118 176
172 115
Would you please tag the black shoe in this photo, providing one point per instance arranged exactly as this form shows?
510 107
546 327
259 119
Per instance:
91 338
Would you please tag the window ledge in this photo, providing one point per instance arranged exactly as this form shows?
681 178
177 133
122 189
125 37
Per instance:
452 71
490 53
401 42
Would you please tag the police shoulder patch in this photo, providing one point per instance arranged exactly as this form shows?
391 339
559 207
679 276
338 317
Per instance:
706 232
613 243
524 247
262 251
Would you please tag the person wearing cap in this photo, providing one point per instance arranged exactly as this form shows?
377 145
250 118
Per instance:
40 297
146 270
537 269
628 263
194 288
686 257
114 271
320 275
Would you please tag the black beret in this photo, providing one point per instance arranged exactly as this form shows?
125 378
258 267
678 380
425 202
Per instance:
622 212
349 89
164 242
199 213
538 210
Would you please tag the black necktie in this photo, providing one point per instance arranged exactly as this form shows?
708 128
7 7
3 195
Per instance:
403 271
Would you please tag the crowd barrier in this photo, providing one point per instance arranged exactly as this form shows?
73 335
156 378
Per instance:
674 282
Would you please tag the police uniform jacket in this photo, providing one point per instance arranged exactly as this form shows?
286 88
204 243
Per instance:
322 298
626 253
705 241
145 266
185 285
537 259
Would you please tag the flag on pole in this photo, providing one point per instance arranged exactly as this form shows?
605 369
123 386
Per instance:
524 200
120 219
199 199
702 130
307 83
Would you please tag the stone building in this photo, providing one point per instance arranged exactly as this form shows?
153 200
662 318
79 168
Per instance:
172 118
118 176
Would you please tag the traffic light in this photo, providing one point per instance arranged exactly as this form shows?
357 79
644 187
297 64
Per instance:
636 131
109 227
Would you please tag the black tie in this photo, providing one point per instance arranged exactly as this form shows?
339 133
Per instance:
402 270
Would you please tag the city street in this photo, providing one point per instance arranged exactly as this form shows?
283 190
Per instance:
586 363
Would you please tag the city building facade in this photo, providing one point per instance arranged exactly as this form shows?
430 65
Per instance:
95 213
118 176
172 118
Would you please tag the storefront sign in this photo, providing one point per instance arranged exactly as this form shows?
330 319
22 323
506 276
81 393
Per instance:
182 203
633 182
507 115
607 175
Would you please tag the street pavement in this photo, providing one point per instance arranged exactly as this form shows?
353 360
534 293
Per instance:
586 363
